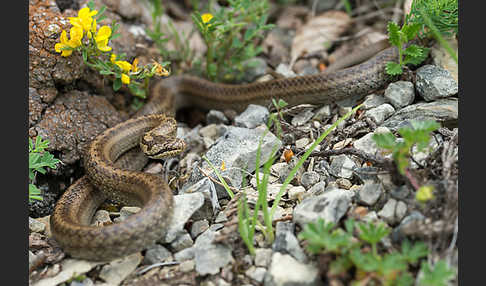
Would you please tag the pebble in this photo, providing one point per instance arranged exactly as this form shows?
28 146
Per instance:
263 256
302 142
434 82
184 206
393 211
286 242
367 144
101 217
372 101
370 193
187 266
302 118
400 93
309 178
342 166
198 227
284 270
209 256
256 273
317 189
343 183
69 268
323 113
397 233
216 117
125 212
441 110
181 242
36 226
253 116
296 193
380 113
330 206
117 270
156 254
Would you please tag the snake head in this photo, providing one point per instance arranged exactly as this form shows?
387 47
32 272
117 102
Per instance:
161 142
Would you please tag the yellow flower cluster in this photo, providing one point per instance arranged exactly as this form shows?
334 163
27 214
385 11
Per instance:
84 24
126 67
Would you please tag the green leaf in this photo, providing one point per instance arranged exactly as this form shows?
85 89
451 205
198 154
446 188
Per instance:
411 30
404 279
34 193
392 262
440 275
413 253
415 54
385 140
373 233
364 261
393 35
117 83
340 265
393 68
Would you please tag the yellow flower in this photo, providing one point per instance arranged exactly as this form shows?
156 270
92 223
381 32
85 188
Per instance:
76 34
159 69
206 17
134 65
84 19
125 79
113 58
424 193
102 37
124 65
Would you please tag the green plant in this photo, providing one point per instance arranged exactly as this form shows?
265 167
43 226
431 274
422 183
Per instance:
230 35
440 275
427 17
39 159
412 54
92 43
352 252
418 133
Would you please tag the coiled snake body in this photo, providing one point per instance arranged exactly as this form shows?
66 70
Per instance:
109 174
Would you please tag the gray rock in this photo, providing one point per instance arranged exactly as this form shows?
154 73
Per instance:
237 148
434 82
286 271
330 206
209 256
442 110
187 266
317 189
302 142
156 254
119 269
101 217
301 118
184 206
185 254
216 117
342 166
372 101
263 256
198 227
367 144
414 216
309 179
253 116
370 193
323 113
400 93
286 242
296 193
181 242
285 70
256 273
393 211
125 212
86 282
401 193
36 226
380 113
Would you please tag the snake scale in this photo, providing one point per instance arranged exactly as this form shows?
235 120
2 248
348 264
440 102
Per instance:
109 173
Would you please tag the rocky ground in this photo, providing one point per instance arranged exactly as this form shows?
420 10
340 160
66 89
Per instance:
69 105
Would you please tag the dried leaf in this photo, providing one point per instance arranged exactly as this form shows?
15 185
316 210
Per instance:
319 33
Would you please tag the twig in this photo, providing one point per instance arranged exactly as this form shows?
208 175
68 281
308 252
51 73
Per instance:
376 160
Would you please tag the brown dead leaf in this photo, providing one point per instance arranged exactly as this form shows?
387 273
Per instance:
319 33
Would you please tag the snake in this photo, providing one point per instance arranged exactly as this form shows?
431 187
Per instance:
113 164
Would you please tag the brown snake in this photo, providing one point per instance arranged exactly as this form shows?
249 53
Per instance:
113 178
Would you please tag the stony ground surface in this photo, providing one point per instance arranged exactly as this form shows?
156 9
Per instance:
70 105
